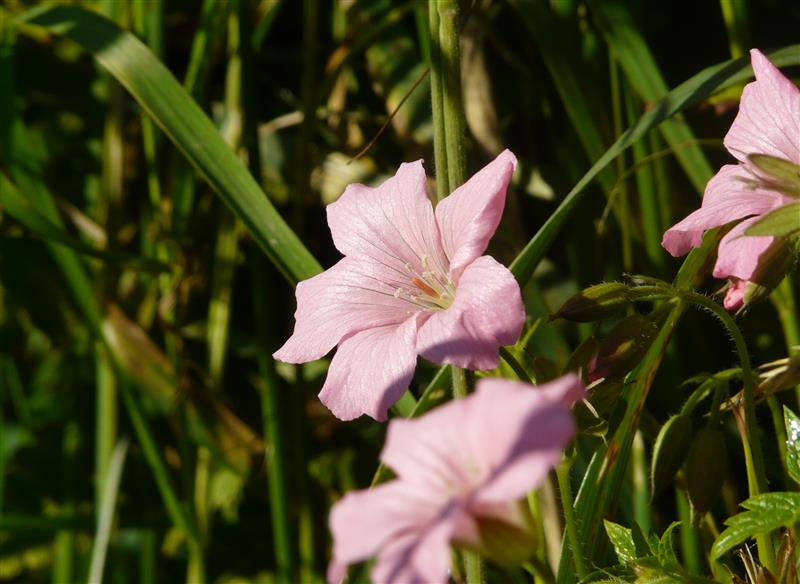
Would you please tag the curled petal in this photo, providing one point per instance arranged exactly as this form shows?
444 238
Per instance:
469 216
392 225
767 122
371 370
738 255
486 314
349 297
734 297
729 196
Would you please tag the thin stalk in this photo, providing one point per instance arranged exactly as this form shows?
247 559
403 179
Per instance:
437 109
64 553
691 552
152 454
148 557
275 454
624 208
105 518
515 365
785 303
105 419
754 458
567 504
641 492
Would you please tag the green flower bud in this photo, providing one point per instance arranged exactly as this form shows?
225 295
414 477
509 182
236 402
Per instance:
595 303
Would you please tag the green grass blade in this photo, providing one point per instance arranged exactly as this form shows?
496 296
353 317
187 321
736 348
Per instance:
549 32
645 77
19 207
685 95
179 116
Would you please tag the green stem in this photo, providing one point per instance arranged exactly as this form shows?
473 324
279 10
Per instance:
515 365
437 109
452 101
574 540
275 454
753 456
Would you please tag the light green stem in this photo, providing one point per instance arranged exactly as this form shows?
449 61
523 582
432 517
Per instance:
753 456
573 539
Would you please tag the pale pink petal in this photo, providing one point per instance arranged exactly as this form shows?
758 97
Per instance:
768 121
392 225
371 370
738 254
517 433
349 297
364 522
729 196
419 557
430 451
734 297
470 215
487 313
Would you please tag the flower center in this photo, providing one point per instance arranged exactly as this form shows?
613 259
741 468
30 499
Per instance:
429 288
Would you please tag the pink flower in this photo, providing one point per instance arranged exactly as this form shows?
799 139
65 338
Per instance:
413 281
768 123
461 471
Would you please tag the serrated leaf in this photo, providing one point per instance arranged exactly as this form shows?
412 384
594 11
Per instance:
792 443
781 222
666 551
622 539
764 513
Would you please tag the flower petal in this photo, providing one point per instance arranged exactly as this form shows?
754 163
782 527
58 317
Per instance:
767 122
470 215
738 254
371 370
486 314
728 197
365 521
734 297
344 299
518 432
419 557
392 225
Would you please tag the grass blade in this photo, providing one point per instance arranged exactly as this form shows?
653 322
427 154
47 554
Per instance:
179 116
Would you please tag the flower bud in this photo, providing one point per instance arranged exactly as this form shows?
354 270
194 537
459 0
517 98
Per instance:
623 348
669 451
510 540
773 266
595 303
706 467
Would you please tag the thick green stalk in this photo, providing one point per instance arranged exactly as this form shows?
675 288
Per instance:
105 418
452 100
449 150
437 109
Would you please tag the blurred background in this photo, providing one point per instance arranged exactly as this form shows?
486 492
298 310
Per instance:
145 431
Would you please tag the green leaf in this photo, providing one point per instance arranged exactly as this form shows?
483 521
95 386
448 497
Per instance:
792 443
26 213
764 513
781 222
622 540
692 91
170 106
783 175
